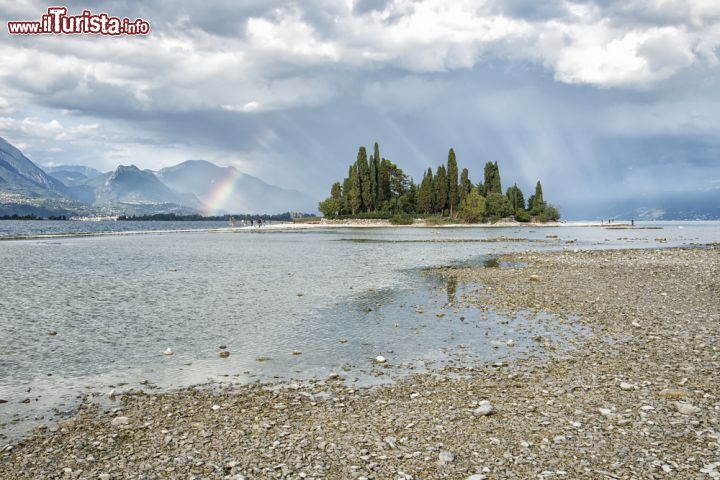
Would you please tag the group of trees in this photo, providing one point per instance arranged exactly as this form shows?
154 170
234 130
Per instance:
376 186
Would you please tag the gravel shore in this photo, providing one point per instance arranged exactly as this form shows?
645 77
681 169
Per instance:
638 399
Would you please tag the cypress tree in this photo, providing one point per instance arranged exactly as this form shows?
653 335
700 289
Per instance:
374 183
375 178
347 187
492 179
452 173
539 200
425 194
383 181
441 189
355 191
465 184
516 198
364 176
497 187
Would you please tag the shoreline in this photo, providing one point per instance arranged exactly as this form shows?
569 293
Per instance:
637 399
328 225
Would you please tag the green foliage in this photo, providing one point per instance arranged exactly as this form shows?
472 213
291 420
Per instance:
402 219
492 178
378 188
549 214
355 192
441 189
330 207
522 215
498 205
425 194
472 209
364 175
452 179
383 181
465 185
516 198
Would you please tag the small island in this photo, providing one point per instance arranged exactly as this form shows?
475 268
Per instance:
376 188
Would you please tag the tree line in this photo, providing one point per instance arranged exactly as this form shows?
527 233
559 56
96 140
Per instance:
376 188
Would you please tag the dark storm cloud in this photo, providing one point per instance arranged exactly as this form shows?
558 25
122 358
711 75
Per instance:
593 97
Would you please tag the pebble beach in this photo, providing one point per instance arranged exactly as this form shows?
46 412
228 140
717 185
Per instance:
639 398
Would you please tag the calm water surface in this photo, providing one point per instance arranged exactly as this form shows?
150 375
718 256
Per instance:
307 303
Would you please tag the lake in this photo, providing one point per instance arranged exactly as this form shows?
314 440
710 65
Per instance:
285 304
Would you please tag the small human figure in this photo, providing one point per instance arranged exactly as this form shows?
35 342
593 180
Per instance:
632 222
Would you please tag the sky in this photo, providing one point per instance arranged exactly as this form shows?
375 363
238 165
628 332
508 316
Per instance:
599 99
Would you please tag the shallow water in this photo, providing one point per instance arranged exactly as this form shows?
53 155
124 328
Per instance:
118 302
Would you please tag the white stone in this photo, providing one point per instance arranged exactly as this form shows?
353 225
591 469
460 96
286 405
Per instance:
380 359
477 476
627 386
215 408
168 351
484 409
446 457
117 421
686 408
606 412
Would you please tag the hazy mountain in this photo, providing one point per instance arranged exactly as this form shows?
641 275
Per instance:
72 175
21 176
129 184
225 189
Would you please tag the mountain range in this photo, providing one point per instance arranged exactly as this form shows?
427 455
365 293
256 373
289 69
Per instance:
190 187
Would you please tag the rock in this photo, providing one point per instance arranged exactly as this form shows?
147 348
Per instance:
215 408
477 476
510 343
446 457
484 409
627 386
222 347
111 394
686 408
297 352
605 412
118 421
168 351
3 401
224 354
534 278
52 333
380 359
674 393
334 376
104 476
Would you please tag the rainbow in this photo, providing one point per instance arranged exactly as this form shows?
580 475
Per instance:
221 192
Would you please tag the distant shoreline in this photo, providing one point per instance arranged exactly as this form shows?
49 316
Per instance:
322 225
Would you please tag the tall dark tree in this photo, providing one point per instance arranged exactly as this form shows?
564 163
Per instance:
425 194
539 200
346 189
383 182
492 178
441 189
355 191
516 198
364 175
465 184
374 183
452 174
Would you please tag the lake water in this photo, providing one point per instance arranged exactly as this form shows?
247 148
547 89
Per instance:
286 304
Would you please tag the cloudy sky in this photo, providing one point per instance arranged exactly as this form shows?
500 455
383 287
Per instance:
596 98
